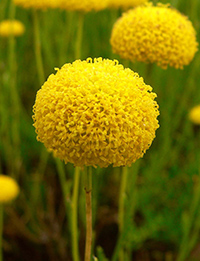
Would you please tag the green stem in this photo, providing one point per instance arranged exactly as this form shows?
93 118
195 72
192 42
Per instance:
122 195
3 5
79 36
74 234
1 232
40 71
88 193
15 99
61 173
190 228
37 43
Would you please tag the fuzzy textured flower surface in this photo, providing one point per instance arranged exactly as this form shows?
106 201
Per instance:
156 34
125 4
37 4
194 115
11 27
9 189
96 113
83 5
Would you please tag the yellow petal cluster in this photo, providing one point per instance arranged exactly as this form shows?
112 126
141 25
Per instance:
194 115
37 4
83 5
156 34
125 4
8 189
96 113
11 27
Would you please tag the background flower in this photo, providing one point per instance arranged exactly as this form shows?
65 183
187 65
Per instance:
37 4
194 115
83 5
8 27
125 3
9 189
157 34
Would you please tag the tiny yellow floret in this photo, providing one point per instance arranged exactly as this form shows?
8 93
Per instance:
11 27
96 113
9 189
194 115
83 5
125 4
155 34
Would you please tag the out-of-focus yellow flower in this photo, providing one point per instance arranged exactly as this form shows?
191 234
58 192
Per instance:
194 115
8 189
96 113
125 4
37 4
157 34
11 27
83 5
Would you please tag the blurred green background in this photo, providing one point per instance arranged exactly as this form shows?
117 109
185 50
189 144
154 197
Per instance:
162 203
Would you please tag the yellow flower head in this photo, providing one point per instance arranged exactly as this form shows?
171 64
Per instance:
157 34
11 27
37 4
96 113
8 189
194 115
125 4
83 5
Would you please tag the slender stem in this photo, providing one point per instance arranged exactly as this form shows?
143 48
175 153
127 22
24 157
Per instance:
122 195
61 173
14 97
40 70
3 5
75 249
1 232
79 36
88 193
37 43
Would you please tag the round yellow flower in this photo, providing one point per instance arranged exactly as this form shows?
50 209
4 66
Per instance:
11 27
194 115
96 113
9 189
37 4
157 34
83 5
125 4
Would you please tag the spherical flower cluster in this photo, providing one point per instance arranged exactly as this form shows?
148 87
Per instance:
83 5
194 115
9 189
37 4
157 34
96 113
125 4
11 27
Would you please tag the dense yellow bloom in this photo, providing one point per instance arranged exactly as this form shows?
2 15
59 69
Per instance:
8 189
125 3
83 5
157 34
37 4
194 115
96 113
11 27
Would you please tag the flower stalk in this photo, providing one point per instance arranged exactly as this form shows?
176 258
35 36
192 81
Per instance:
122 195
74 232
88 194
79 35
